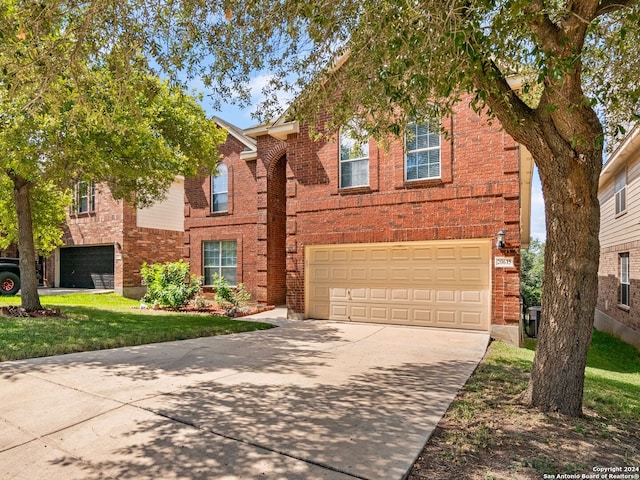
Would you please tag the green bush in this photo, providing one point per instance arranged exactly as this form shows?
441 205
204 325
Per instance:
169 285
532 273
231 299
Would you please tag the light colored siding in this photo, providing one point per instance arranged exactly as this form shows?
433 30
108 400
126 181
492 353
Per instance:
623 228
167 214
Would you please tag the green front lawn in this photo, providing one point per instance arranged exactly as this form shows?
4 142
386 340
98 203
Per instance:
99 321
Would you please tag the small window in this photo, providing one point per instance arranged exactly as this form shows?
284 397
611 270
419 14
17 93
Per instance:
625 282
621 191
422 150
220 189
220 257
354 158
84 197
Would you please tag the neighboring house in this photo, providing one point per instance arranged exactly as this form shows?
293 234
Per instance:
618 308
336 229
106 241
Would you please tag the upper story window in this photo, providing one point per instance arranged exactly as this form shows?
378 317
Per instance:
220 189
354 158
422 151
625 282
84 197
621 191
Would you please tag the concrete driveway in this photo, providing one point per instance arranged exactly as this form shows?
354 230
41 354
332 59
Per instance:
307 400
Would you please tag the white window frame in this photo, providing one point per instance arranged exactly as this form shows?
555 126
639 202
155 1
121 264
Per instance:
221 181
209 268
431 129
83 190
624 296
621 192
355 145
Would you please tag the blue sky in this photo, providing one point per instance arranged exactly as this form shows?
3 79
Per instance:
242 118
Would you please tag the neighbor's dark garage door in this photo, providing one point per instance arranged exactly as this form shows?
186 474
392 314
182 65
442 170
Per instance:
86 267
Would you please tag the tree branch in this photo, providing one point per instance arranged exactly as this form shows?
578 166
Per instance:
608 6
549 34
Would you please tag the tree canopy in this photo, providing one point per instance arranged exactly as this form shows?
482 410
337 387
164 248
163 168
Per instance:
78 101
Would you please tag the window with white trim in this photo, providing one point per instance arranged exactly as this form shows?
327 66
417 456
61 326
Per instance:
354 158
422 151
220 189
621 191
625 282
84 197
220 257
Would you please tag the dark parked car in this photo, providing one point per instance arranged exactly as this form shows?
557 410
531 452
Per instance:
9 276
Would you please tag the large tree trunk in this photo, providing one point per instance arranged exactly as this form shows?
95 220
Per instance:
28 276
570 286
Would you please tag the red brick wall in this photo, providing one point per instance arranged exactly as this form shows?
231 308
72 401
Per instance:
114 222
277 233
239 223
609 282
477 196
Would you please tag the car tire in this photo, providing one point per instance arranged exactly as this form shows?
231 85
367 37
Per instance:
9 283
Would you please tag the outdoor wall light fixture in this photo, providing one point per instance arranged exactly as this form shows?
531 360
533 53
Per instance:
500 243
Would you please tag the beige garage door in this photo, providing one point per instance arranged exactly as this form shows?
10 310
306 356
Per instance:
435 284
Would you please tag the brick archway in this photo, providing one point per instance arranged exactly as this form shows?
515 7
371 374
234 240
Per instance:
277 231
272 223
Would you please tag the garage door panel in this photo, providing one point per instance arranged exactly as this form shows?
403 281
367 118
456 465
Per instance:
379 254
471 297
378 294
378 314
401 294
359 255
471 253
445 296
423 253
400 314
339 294
87 267
400 254
422 274
444 284
473 274
446 274
359 314
339 311
445 318
379 274
422 295
400 274
471 320
359 273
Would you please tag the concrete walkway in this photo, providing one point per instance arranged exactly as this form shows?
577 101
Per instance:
307 400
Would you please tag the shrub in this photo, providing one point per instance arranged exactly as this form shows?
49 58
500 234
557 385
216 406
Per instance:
169 285
532 273
231 299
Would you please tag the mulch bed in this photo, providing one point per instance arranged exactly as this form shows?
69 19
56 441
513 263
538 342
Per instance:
214 309
13 311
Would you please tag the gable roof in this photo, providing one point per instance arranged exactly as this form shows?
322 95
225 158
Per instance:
629 146
250 151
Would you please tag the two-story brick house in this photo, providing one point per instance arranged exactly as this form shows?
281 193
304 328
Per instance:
353 231
619 272
106 240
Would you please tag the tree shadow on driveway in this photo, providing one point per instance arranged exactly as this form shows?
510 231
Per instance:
325 400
